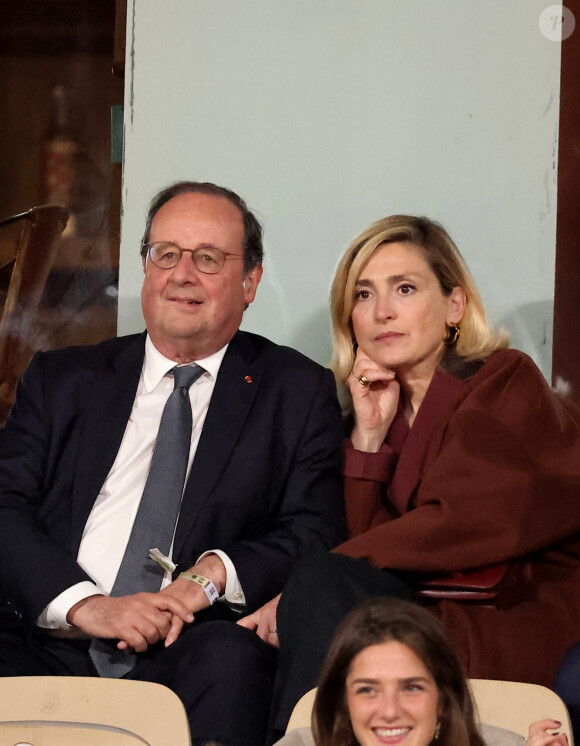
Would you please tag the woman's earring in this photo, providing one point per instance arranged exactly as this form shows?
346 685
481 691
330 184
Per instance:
453 334
437 731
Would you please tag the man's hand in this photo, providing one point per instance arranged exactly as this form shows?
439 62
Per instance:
137 621
192 595
264 622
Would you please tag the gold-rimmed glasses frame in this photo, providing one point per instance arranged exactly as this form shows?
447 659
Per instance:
207 259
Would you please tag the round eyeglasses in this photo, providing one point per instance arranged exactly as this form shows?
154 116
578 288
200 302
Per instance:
208 260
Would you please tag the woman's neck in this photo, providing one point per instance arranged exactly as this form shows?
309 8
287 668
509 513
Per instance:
414 385
412 400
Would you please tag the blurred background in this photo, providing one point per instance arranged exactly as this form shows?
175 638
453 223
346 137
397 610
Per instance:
58 82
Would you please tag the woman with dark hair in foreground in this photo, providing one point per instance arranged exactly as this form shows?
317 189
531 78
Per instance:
391 677
460 457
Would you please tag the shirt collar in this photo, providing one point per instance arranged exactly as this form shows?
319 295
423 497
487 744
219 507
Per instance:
156 365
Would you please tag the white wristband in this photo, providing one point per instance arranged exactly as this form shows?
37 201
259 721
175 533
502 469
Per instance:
208 586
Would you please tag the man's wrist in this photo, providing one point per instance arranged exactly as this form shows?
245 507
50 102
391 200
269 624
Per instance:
212 567
75 613
208 586
54 616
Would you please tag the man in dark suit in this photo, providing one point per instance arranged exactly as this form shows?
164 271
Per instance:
263 486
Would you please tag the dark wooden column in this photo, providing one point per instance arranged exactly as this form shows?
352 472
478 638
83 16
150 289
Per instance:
566 350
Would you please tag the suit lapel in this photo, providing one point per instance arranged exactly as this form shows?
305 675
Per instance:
236 387
109 393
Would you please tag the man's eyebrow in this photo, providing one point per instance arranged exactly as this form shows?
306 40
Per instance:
204 245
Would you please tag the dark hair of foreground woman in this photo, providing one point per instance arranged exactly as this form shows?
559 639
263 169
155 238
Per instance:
381 620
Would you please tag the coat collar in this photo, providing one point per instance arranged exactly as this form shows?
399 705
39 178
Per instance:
413 444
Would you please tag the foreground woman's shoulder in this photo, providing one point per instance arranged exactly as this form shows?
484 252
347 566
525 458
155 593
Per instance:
500 737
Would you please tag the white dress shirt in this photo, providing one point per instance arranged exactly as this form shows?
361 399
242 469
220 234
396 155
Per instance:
109 524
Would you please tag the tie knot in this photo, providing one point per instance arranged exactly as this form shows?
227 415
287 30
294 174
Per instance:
186 375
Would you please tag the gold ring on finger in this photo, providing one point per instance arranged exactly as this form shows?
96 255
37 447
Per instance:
363 380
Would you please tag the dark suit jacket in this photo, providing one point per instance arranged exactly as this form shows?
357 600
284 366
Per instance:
264 485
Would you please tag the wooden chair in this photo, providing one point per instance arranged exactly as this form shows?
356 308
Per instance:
302 712
34 256
513 705
69 710
505 704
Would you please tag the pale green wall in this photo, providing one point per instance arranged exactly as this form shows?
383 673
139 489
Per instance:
328 114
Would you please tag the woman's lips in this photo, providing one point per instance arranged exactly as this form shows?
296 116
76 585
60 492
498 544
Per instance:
389 336
391 735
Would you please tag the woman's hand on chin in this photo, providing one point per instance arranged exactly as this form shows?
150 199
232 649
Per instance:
375 398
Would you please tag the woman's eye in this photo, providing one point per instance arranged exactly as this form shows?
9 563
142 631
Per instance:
413 688
406 289
362 295
364 690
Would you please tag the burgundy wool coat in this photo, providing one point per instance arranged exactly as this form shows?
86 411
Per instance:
489 471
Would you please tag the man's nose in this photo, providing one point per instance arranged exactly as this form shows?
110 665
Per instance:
185 269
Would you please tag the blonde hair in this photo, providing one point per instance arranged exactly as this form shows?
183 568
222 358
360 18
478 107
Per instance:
477 340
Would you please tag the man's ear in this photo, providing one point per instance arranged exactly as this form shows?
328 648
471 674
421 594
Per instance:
251 282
